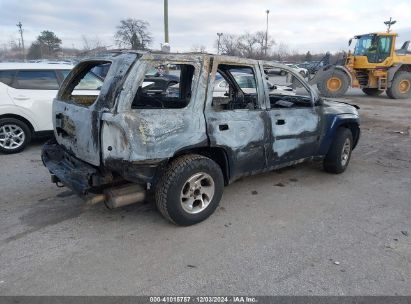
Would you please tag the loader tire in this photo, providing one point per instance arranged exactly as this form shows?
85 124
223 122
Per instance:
400 86
334 83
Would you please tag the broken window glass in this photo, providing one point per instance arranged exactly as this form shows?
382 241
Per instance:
235 87
85 86
285 89
165 86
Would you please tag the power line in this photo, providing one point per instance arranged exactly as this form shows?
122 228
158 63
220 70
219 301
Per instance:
20 26
266 34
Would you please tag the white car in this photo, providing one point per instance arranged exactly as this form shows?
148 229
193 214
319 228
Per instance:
303 72
27 91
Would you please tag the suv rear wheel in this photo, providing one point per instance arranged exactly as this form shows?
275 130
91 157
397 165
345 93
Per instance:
189 190
14 135
338 157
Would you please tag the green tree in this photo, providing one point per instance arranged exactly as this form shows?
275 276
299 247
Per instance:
47 45
50 40
34 51
308 56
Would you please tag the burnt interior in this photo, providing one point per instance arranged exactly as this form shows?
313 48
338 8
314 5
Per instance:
84 84
281 101
166 88
241 89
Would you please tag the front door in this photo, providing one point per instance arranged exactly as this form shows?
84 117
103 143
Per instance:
295 122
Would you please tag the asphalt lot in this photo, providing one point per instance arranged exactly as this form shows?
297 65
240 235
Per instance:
298 231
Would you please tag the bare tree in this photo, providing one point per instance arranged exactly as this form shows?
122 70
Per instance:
247 45
198 48
91 43
260 40
228 44
133 33
250 45
282 52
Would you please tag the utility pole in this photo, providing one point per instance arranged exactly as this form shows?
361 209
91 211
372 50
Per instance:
389 23
266 35
218 42
19 25
166 40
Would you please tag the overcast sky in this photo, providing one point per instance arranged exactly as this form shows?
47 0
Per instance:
315 25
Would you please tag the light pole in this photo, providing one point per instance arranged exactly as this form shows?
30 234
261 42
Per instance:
166 40
218 42
266 34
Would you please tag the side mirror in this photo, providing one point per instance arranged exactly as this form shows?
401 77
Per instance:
349 42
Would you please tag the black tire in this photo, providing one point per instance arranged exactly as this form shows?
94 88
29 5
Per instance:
175 178
372 91
333 161
400 86
23 140
339 91
388 92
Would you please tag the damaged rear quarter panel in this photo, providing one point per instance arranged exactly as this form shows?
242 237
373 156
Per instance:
144 135
77 127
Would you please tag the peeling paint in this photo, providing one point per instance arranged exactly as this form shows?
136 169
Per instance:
136 144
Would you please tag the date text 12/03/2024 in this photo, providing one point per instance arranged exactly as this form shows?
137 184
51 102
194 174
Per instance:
200 299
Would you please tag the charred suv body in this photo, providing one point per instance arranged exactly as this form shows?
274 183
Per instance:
177 137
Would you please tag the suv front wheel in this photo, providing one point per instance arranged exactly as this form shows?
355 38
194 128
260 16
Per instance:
189 190
14 135
338 157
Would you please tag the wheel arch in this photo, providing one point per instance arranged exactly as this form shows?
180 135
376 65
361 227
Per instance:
19 117
392 71
348 121
217 154
355 131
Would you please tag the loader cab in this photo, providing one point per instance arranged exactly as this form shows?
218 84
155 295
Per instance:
375 48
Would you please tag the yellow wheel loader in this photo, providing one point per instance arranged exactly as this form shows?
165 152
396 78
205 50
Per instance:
374 66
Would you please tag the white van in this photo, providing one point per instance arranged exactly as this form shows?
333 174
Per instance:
27 91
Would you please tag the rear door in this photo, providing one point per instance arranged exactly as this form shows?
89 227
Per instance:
237 120
32 92
77 116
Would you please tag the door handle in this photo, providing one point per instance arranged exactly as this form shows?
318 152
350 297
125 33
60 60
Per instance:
21 97
223 127
280 122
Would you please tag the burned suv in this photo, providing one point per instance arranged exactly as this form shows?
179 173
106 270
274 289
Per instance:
185 139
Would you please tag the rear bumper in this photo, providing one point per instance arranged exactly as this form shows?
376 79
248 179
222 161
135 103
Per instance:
73 172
